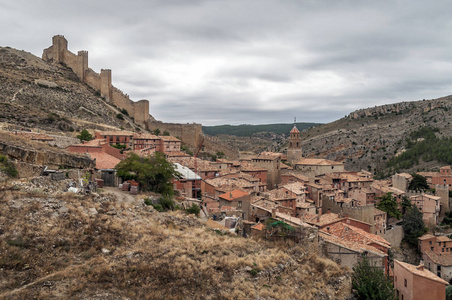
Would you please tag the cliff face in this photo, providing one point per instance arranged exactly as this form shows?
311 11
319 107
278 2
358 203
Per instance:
367 138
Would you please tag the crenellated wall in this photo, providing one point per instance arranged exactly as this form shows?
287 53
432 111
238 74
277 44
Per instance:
100 82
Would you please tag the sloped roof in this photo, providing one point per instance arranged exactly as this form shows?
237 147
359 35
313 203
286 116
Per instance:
233 195
295 187
423 272
295 130
186 173
116 133
258 226
104 161
426 236
355 234
318 162
360 248
443 259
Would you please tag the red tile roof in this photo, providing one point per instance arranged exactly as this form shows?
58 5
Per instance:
354 234
258 226
295 130
104 161
233 195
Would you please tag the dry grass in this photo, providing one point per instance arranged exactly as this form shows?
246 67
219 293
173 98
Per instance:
141 255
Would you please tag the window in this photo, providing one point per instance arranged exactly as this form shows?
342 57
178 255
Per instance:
405 283
431 248
239 204
430 242
438 268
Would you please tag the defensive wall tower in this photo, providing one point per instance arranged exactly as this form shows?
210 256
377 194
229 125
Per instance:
101 83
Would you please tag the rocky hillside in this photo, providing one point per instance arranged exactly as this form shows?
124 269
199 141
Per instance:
35 94
55 245
368 138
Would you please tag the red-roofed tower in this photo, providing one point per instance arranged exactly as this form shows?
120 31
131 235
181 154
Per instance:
294 152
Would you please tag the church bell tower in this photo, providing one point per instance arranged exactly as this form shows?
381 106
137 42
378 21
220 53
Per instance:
294 152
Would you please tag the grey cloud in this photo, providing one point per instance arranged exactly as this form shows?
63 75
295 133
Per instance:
257 61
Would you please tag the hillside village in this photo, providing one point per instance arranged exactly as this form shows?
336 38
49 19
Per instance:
259 198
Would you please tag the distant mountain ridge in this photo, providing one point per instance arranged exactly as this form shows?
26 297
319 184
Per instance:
248 129
368 138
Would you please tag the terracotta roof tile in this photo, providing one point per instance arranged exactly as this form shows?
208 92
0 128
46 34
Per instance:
233 195
360 248
443 259
295 130
423 272
103 160
258 226
354 234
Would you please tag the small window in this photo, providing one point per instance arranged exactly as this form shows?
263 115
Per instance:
405 283
239 204
430 242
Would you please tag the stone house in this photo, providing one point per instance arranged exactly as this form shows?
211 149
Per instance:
434 243
429 206
272 163
237 199
312 167
348 254
443 177
291 176
116 137
417 283
352 234
401 181
439 264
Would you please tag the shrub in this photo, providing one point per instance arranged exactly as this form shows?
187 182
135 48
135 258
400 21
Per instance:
120 116
194 209
8 167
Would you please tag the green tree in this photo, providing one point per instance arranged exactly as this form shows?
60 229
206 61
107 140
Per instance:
154 173
449 292
389 205
166 133
413 225
418 183
84 136
370 282
8 167
220 154
157 132
406 204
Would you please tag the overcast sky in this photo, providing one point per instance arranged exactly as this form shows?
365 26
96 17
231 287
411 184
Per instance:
250 61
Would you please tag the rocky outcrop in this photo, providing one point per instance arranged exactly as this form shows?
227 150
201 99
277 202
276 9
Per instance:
368 138
50 158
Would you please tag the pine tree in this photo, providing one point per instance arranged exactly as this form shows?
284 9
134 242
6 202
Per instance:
370 282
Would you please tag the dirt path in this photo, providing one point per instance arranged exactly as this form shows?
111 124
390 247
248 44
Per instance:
123 197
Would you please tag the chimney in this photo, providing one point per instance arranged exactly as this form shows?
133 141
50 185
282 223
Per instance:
421 266
328 229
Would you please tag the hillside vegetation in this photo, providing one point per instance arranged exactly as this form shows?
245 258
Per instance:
423 146
368 138
64 246
247 130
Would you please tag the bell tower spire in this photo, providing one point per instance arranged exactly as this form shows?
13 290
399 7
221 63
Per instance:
294 152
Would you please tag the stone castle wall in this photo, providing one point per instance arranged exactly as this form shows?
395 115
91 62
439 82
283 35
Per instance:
100 82
190 134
